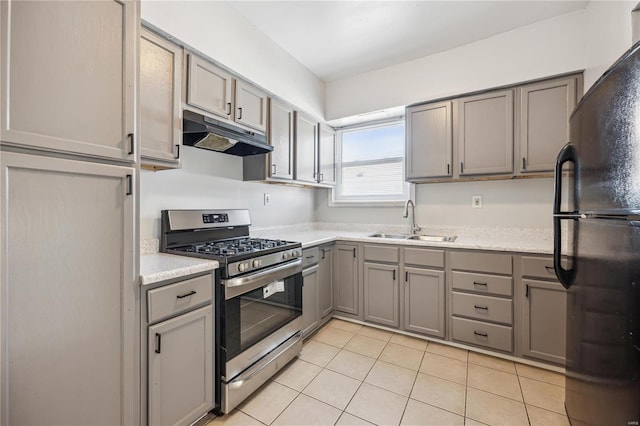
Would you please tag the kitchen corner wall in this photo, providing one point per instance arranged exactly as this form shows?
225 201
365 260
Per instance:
212 180
518 203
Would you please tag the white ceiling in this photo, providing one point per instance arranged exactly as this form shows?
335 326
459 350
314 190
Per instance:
337 39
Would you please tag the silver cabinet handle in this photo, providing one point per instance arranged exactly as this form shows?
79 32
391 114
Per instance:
228 108
239 113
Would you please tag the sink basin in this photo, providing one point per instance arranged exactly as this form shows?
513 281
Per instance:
434 238
395 236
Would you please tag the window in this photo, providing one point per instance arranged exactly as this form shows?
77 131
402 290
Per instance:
371 164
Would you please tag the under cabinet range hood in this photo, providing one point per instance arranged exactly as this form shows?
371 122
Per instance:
208 133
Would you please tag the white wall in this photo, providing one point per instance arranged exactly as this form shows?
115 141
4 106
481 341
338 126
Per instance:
549 47
506 203
210 180
218 31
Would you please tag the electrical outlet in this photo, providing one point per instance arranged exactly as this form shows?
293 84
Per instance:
476 201
267 199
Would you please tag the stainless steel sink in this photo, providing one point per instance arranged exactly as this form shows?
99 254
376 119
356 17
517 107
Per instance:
434 238
394 236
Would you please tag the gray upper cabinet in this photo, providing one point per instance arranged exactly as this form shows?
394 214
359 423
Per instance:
215 90
325 284
181 368
209 87
160 94
306 143
71 326
424 301
281 138
485 133
544 109
381 294
428 141
345 279
68 76
250 106
326 155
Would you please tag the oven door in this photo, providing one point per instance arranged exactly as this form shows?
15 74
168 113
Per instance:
261 311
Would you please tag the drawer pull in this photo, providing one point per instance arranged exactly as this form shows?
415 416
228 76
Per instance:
480 284
550 269
485 308
309 257
480 333
158 342
182 296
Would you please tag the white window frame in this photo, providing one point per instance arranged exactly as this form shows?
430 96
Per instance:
409 191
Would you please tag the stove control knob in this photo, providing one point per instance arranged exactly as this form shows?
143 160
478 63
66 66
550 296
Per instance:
286 255
242 267
295 253
256 263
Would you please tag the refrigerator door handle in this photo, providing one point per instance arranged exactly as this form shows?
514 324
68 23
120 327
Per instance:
565 276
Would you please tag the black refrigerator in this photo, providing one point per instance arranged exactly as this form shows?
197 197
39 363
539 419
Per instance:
597 248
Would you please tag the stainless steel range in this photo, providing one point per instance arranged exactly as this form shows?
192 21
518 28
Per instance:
258 300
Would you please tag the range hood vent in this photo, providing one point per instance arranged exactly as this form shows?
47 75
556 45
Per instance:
208 133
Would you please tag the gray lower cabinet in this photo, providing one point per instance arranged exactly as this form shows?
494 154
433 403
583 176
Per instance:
544 311
424 301
160 101
485 133
68 74
381 294
325 281
345 279
429 141
181 368
310 314
70 293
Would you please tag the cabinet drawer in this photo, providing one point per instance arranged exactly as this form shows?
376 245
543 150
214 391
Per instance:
310 256
539 267
483 334
482 262
482 307
482 283
180 297
424 257
382 254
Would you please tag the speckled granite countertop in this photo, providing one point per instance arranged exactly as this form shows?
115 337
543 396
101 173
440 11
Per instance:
158 267
521 240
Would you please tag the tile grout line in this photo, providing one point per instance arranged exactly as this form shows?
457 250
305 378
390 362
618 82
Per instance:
526 410
466 390
413 385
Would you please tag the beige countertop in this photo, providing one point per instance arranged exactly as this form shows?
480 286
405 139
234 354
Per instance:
158 267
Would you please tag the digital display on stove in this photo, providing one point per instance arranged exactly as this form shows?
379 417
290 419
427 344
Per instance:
215 218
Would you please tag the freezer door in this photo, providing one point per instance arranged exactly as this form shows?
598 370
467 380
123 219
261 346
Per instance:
605 132
603 324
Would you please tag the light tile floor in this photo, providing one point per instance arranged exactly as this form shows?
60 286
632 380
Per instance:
348 374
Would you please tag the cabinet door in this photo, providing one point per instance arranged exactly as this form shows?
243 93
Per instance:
281 138
160 109
327 155
209 87
485 133
251 106
306 135
68 76
181 368
69 293
424 301
345 279
428 141
381 294
544 112
325 283
310 315
544 320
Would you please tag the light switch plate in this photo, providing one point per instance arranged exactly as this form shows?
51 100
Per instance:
476 201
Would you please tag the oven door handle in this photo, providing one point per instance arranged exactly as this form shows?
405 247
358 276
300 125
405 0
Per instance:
240 285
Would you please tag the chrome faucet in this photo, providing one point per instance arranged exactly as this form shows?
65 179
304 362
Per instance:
414 228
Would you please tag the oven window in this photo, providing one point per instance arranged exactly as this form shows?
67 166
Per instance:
252 316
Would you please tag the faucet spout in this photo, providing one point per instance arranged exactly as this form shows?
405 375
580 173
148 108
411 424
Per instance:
414 228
